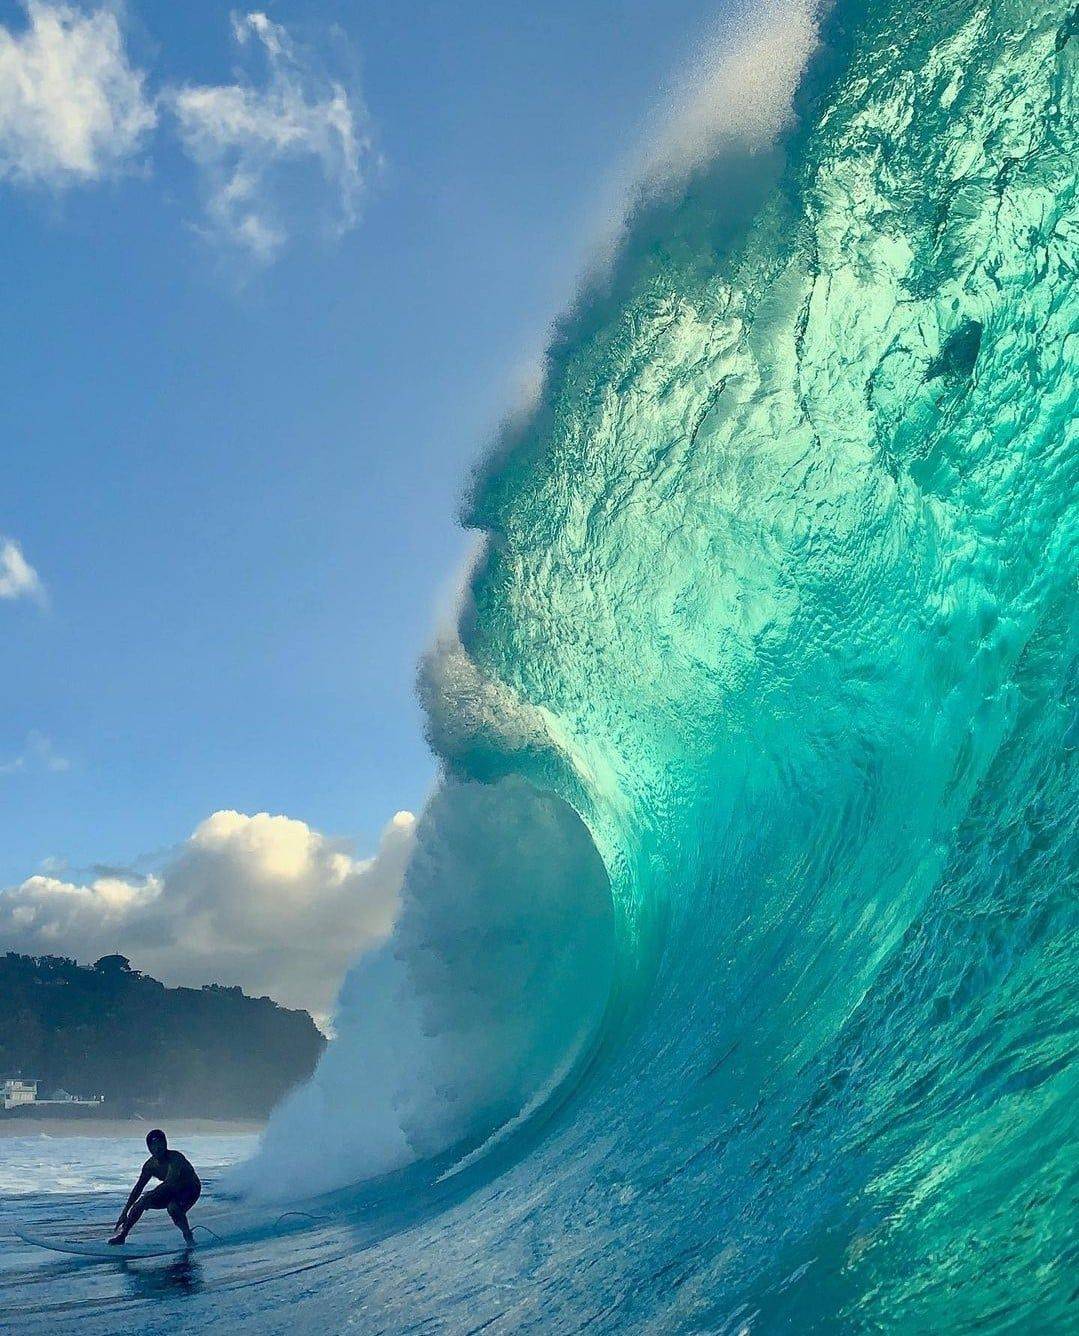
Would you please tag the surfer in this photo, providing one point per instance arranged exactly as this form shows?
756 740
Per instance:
179 1190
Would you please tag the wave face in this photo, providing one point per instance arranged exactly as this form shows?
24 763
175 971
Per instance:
739 947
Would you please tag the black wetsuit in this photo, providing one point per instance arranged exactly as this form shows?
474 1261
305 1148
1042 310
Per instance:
180 1185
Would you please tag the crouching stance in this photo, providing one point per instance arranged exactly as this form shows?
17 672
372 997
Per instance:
179 1190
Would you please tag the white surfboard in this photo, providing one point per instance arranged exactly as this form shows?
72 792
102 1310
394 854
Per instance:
115 1252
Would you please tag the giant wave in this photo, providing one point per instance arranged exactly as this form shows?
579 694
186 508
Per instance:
736 957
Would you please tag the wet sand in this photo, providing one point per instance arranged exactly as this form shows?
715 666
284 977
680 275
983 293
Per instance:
124 1127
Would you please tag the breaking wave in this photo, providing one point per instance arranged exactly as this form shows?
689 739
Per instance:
744 914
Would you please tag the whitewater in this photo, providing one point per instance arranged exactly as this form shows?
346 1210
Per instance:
733 985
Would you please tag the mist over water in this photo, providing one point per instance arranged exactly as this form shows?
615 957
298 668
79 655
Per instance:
747 903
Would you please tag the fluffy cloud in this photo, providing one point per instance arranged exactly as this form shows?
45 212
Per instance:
262 901
18 579
250 140
72 107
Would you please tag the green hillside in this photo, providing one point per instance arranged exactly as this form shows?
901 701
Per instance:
108 1030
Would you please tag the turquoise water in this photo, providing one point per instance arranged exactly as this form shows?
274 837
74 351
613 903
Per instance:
734 986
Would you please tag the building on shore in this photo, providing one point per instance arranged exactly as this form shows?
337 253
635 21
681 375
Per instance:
17 1092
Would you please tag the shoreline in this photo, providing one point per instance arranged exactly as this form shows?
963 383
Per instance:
135 1128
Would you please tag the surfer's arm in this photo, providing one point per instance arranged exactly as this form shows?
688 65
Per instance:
143 1179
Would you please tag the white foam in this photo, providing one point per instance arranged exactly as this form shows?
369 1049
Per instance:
501 961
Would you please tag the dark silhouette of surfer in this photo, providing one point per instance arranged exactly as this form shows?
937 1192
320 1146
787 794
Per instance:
179 1191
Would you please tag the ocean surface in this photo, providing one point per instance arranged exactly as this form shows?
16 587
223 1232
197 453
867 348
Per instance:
48 1165
734 984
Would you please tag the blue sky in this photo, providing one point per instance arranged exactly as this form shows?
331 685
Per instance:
235 472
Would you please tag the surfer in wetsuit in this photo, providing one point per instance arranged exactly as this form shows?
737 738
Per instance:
179 1190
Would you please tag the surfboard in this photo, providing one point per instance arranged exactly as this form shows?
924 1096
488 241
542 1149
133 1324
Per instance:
103 1250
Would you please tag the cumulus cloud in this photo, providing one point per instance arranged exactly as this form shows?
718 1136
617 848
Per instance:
261 901
37 754
72 106
18 579
252 142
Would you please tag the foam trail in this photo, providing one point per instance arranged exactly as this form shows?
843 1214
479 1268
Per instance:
739 92
543 1097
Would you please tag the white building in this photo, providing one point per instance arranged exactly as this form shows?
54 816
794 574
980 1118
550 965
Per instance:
16 1091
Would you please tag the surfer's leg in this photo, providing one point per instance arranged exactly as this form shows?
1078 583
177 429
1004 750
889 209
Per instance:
178 1208
178 1215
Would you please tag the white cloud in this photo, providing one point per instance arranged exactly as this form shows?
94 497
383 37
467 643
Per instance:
261 901
18 579
72 107
37 754
252 143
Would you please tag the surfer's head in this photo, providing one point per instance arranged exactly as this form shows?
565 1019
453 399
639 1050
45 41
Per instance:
156 1142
